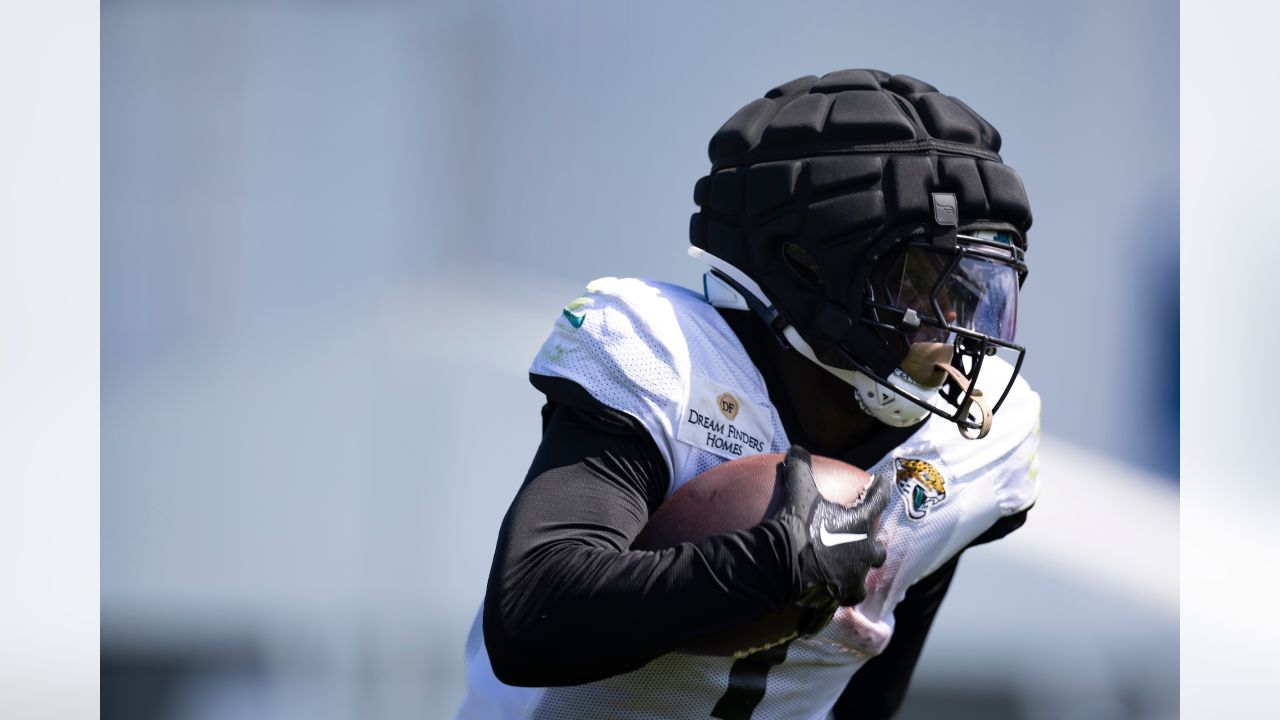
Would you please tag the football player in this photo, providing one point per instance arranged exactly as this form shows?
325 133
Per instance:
865 247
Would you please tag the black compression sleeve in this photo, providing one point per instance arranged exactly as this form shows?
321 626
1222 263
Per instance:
568 602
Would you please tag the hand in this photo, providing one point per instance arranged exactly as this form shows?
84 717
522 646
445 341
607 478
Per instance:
834 574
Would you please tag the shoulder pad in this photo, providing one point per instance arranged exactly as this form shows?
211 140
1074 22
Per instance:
621 341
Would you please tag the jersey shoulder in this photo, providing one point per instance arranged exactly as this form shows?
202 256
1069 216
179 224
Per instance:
1009 454
626 341
622 336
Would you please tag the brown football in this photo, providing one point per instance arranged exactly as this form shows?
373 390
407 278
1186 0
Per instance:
733 496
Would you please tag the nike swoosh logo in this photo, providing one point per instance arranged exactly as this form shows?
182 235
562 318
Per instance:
829 538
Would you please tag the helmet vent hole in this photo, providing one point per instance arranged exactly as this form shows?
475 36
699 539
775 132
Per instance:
802 264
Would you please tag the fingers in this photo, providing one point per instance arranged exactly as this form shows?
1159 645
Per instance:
877 497
798 458
879 555
800 492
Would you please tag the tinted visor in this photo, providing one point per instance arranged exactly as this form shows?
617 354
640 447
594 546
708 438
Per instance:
974 292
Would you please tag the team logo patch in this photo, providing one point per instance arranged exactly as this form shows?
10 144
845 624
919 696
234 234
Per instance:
728 405
921 485
576 311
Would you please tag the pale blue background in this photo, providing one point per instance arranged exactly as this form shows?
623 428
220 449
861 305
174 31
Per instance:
333 233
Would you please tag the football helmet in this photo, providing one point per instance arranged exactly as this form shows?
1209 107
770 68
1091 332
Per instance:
871 223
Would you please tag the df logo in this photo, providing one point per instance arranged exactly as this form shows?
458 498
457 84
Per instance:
728 405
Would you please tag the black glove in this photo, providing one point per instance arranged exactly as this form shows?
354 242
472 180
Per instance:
833 565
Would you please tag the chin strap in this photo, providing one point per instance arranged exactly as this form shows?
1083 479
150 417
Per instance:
879 400
884 403
958 385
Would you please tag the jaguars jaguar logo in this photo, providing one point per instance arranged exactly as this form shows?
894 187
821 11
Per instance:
922 486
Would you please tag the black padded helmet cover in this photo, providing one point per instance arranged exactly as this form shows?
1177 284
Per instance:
837 171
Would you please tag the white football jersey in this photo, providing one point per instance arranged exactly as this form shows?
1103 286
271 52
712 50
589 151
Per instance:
663 355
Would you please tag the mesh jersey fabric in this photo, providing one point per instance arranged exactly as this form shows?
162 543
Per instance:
649 349
646 348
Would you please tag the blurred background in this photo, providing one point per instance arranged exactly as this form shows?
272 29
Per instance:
335 233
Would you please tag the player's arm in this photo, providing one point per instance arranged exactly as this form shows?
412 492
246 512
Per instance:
568 602
879 687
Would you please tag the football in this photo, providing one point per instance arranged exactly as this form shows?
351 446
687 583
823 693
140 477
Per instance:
733 496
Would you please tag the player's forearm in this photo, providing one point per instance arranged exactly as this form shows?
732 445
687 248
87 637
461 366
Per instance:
569 602
597 612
